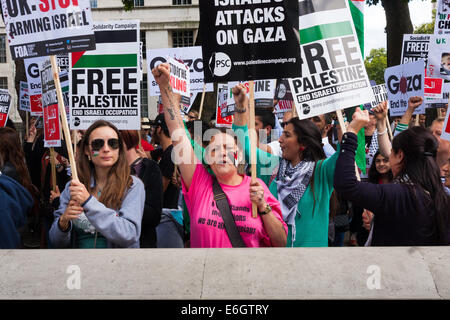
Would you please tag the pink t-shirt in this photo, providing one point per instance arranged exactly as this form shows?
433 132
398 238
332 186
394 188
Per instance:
207 227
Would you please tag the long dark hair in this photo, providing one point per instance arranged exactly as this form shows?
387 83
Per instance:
11 151
419 163
374 176
119 179
309 135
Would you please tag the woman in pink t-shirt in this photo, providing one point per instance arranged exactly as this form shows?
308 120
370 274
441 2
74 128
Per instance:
207 226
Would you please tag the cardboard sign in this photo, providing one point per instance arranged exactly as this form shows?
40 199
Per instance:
433 89
249 40
264 93
415 47
5 105
439 57
222 96
444 99
282 107
64 80
24 98
179 77
34 84
442 22
380 94
402 82
52 131
191 56
47 27
334 75
104 83
63 62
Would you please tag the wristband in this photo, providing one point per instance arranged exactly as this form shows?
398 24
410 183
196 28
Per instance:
381 133
240 110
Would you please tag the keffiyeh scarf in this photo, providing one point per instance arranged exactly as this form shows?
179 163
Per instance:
291 184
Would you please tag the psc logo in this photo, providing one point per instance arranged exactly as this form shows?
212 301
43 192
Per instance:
219 64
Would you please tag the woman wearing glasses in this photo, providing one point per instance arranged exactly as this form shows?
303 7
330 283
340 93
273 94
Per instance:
104 208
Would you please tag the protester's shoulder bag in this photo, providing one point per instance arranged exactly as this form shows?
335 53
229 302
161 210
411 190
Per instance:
228 219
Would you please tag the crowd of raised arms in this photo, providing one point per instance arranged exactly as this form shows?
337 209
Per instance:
182 183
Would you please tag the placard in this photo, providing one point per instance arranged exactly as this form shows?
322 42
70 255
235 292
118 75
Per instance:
47 27
442 22
52 131
222 96
191 56
402 82
249 40
179 77
104 83
334 75
24 98
439 57
5 106
34 84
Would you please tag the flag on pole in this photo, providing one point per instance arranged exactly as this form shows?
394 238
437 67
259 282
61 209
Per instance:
357 10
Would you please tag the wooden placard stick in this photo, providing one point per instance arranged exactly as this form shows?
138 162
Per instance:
62 112
253 142
27 124
388 126
140 140
417 120
201 102
344 130
53 168
75 142
294 111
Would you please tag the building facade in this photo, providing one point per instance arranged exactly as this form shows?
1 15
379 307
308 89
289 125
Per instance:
7 72
163 24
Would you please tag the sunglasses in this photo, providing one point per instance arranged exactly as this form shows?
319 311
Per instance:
97 144
283 124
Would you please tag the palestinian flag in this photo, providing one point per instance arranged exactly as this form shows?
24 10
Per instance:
334 13
357 10
336 24
112 51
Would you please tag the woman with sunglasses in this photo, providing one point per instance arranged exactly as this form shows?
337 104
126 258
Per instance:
104 208
301 179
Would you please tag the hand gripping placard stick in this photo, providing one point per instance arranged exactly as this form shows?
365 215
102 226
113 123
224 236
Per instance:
344 130
252 133
63 118
201 102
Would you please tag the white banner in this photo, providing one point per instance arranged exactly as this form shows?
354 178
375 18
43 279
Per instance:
333 72
263 94
402 82
179 77
191 56
34 84
47 27
439 57
442 22
104 83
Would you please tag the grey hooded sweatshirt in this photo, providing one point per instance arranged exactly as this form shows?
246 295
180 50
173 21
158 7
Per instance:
121 228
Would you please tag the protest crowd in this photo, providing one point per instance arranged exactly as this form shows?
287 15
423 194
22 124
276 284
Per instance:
266 179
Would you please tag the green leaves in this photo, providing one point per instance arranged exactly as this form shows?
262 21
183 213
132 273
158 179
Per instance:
375 64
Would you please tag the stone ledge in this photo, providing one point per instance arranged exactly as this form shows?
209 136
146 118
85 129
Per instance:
275 273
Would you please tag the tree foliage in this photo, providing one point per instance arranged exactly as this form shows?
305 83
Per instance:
376 63
128 5
426 28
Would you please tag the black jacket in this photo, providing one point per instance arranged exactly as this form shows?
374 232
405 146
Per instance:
151 176
402 217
